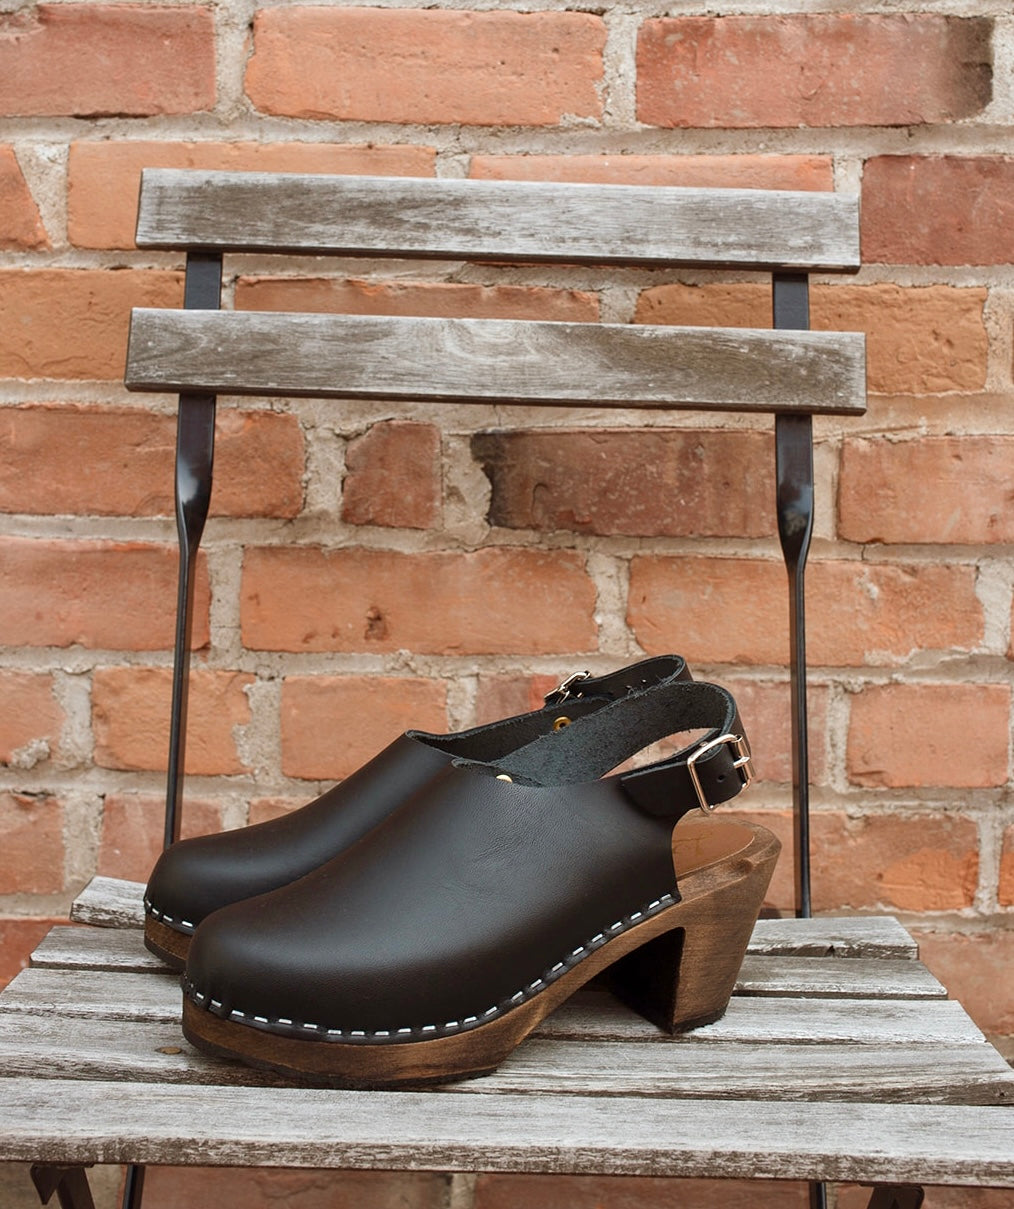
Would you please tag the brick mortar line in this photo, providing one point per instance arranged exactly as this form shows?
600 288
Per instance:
938 667
619 85
72 691
233 48
990 846
82 831
998 279
967 138
460 1190
994 589
894 418
228 535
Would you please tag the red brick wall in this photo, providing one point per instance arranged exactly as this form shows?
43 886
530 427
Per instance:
371 566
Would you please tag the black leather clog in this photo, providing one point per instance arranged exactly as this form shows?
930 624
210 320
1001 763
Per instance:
197 876
428 950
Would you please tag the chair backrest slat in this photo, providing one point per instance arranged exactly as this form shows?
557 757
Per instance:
463 360
512 221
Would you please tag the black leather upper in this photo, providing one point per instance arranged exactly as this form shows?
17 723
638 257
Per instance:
200 875
473 892
197 876
449 908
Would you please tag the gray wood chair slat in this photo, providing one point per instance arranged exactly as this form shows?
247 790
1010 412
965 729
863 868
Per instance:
304 1127
487 360
592 1015
786 1020
153 1052
499 220
115 904
110 902
833 936
871 1073
93 995
96 949
124 1052
882 978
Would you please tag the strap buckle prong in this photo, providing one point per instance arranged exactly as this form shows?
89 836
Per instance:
742 764
563 690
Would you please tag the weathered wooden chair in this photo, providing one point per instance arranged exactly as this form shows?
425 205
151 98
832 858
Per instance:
840 1057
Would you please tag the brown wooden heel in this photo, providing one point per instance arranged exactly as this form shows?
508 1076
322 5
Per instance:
166 943
686 977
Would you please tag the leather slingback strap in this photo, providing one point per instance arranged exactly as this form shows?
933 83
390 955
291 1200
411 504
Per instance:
713 769
618 684
584 694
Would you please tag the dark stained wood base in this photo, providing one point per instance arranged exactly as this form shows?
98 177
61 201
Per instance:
165 942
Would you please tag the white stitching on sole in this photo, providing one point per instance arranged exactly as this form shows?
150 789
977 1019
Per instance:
450 1026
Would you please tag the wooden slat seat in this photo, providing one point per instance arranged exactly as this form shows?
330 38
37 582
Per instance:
866 1074
624 1135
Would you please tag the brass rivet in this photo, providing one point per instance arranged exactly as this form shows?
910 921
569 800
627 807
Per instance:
502 776
561 723
169 1049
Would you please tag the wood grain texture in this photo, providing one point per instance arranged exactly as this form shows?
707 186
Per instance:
834 936
469 360
589 1015
114 1051
133 1051
93 994
78 1121
881 978
96 949
637 1102
120 902
869 1073
597 1016
110 902
525 221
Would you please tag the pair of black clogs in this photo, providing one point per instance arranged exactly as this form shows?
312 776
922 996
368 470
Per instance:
417 921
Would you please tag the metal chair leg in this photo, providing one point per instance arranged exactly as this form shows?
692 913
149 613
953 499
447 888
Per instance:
195 454
896 1196
795 501
794 445
68 1181
195 450
133 1188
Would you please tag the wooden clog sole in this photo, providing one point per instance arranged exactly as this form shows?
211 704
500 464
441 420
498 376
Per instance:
165 942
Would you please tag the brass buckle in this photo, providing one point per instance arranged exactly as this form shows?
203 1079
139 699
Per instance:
742 764
563 690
